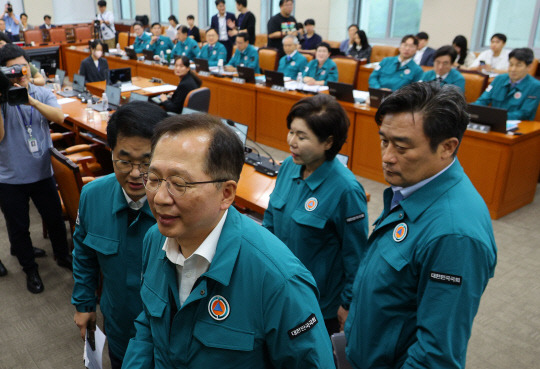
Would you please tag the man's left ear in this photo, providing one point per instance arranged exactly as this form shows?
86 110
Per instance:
449 147
228 190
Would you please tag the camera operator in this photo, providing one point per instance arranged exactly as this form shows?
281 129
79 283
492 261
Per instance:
25 170
12 22
106 19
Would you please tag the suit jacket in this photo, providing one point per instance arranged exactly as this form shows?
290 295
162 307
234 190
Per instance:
43 26
215 22
428 57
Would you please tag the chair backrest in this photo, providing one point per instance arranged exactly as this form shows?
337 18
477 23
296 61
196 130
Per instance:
268 58
34 35
475 84
58 35
83 33
198 99
533 67
261 40
69 180
202 32
123 39
333 44
347 69
309 56
379 52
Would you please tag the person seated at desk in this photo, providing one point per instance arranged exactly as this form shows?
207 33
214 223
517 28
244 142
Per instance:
185 45
3 31
516 91
424 55
159 43
360 48
47 24
443 71
346 44
394 72
293 62
465 56
213 50
24 22
245 56
321 69
95 68
188 82
173 27
495 59
142 38
311 39
193 29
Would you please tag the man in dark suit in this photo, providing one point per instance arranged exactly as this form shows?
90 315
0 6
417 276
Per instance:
219 23
425 54
3 30
47 24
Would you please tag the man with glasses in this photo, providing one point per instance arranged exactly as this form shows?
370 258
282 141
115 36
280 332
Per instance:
217 289
113 218
395 72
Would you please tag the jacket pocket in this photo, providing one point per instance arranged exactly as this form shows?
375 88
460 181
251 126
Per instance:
309 219
276 201
103 245
153 303
223 337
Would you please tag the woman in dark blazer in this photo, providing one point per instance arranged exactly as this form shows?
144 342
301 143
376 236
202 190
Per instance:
188 82
95 68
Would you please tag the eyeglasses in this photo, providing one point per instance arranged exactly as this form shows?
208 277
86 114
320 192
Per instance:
176 185
125 166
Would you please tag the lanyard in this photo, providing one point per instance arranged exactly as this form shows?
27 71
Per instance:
27 125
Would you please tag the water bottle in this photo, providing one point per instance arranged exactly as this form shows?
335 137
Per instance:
57 84
105 101
118 47
220 66
162 57
299 81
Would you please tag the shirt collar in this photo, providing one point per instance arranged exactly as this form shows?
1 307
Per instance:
292 54
408 191
443 77
134 205
317 177
404 61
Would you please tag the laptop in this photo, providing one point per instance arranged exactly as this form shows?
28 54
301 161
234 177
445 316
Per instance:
376 96
274 78
341 91
241 130
114 98
78 87
493 117
201 65
121 77
130 53
148 55
248 74
137 97
52 83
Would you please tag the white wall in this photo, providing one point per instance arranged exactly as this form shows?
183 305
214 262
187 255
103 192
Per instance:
187 7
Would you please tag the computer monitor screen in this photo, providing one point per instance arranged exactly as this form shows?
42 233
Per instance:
240 129
78 83
121 75
113 95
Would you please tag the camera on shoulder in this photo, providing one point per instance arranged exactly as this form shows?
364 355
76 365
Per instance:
11 94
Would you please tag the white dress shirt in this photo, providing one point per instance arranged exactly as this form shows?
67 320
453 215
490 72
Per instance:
134 205
223 35
419 54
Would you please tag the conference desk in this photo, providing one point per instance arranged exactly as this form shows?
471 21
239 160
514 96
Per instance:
503 168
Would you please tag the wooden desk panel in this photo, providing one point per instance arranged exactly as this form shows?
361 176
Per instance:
366 152
73 58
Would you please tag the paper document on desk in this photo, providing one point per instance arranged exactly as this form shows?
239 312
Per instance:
65 100
159 89
292 85
127 88
360 96
94 359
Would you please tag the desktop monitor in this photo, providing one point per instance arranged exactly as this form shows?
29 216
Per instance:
489 116
122 75
341 91
131 54
248 74
274 78
201 65
376 96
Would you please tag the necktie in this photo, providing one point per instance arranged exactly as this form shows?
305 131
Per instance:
439 79
396 199
132 215
210 48
288 58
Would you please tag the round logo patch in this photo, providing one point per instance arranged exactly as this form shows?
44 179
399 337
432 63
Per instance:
407 71
517 95
323 72
214 52
293 63
400 232
219 308
311 204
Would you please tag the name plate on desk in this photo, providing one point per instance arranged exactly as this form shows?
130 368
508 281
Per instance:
204 73
125 57
278 88
478 127
239 80
148 62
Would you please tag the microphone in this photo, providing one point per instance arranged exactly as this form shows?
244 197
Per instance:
266 165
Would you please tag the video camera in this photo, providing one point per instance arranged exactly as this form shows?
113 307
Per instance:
11 94
10 8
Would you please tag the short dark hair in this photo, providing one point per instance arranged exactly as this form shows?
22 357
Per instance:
324 44
46 16
422 36
190 17
299 25
155 24
309 22
212 29
135 119
94 43
219 2
243 35
443 109
353 25
242 2
406 37
11 51
137 23
26 15
523 54
446 50
183 29
281 2
500 36
225 157
173 18
101 3
325 117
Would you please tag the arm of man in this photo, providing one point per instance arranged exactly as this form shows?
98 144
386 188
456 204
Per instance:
140 351
49 109
274 28
486 97
373 80
453 273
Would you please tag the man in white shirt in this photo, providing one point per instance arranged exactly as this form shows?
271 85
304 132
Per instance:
106 19
219 23
494 60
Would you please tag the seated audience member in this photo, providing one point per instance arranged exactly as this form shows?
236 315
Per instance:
173 27
24 22
213 50
245 56
424 54
465 56
220 22
193 29
301 32
321 69
26 173
174 102
113 218
95 68
159 43
293 62
3 31
185 45
395 72
142 38
244 23
346 44
360 49
443 71
311 39
516 91
495 59
47 24
240 298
